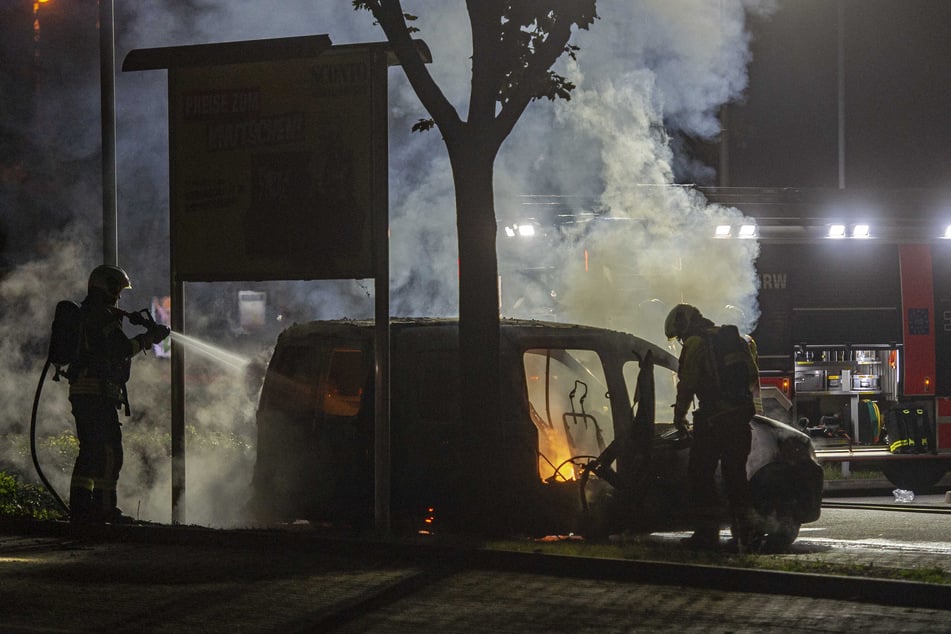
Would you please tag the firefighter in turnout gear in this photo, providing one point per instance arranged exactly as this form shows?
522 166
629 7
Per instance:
718 366
97 390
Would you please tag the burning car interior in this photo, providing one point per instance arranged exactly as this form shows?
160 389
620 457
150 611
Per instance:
567 396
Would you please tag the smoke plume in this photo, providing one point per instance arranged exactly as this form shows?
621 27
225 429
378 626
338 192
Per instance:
649 72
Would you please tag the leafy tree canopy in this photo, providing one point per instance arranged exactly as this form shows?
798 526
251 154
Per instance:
515 45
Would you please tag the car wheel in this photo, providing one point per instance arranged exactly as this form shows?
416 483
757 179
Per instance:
778 499
775 532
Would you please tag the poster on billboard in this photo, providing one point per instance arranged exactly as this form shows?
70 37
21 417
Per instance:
277 166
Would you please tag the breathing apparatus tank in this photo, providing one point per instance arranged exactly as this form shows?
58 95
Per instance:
65 338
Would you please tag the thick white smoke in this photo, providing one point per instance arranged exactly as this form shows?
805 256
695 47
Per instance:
648 70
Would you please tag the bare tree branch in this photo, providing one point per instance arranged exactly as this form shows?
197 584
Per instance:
392 19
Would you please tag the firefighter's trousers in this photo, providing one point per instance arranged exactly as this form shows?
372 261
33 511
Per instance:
92 490
724 439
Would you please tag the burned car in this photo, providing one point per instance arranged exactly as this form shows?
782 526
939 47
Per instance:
581 449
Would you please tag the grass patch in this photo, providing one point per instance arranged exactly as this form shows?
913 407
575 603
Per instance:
931 574
833 471
21 500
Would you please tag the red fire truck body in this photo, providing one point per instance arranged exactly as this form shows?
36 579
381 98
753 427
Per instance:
856 334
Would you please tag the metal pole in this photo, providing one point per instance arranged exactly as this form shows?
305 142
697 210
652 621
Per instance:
107 81
724 175
381 437
177 288
724 145
178 403
841 79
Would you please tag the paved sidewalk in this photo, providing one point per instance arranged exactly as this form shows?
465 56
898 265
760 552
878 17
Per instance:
228 583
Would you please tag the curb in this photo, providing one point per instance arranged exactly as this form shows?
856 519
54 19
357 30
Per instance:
910 594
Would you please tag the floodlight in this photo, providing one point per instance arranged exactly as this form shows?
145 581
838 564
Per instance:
747 231
837 231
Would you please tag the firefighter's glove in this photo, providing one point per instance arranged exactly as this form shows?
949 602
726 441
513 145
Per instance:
138 319
159 332
153 335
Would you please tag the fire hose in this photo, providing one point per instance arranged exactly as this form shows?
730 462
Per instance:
36 461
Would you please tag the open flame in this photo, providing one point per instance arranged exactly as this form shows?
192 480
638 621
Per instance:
554 461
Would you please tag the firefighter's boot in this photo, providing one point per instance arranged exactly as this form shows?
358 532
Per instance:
80 505
745 539
111 511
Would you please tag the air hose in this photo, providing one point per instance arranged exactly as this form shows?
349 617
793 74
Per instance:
36 462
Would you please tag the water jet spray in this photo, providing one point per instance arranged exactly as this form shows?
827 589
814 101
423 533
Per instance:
230 360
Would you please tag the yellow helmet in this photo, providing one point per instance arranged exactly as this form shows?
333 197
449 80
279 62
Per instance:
110 280
679 319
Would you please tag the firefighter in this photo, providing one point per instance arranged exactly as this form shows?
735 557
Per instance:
97 390
718 366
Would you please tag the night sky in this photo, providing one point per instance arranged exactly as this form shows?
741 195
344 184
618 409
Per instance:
897 96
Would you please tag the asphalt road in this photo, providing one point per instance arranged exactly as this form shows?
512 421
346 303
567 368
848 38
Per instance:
931 530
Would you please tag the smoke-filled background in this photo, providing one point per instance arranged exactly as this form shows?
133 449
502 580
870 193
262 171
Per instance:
649 74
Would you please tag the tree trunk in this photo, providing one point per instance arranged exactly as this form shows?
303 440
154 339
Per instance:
472 167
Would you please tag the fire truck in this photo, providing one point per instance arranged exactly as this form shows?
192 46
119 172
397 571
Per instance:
855 328
854 336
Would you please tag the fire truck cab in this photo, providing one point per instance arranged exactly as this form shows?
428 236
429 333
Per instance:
581 447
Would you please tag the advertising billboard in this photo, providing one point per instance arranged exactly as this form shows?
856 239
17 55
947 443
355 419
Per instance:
276 167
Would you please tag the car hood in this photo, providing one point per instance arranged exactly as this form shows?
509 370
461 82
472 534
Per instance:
774 440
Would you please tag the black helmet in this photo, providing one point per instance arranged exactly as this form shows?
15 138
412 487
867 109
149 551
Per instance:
679 319
110 280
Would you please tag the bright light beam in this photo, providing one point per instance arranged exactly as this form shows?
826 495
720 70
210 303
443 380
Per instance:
229 359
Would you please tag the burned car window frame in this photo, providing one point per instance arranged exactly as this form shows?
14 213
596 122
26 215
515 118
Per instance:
565 436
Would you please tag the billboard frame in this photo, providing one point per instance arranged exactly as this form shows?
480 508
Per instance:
380 58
